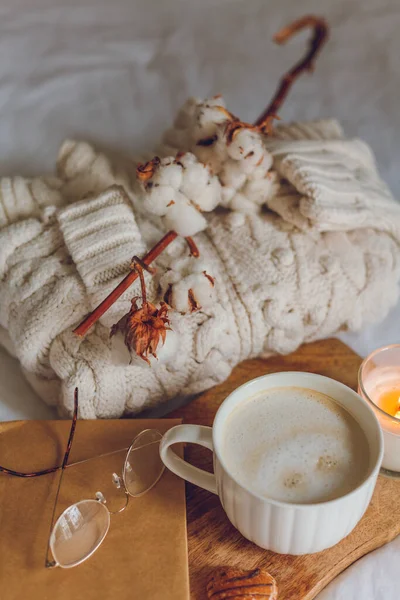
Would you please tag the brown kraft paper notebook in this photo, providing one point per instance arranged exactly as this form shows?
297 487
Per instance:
144 555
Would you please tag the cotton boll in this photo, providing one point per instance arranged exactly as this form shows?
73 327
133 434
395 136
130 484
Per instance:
227 194
167 280
253 158
179 299
203 128
176 272
185 264
209 196
185 219
188 159
180 190
257 162
182 267
194 175
208 115
216 101
232 152
202 290
261 170
244 141
188 273
194 110
207 120
267 160
196 265
246 167
157 199
168 173
232 174
199 187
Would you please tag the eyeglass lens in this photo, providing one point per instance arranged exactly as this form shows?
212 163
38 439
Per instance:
78 532
143 465
82 527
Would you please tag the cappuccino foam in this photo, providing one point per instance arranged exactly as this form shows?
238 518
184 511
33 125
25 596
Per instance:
295 445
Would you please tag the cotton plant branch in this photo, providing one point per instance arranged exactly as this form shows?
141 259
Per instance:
99 311
319 37
145 173
194 251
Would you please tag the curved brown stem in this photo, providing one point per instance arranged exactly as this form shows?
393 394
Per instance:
138 261
99 311
194 251
318 39
139 271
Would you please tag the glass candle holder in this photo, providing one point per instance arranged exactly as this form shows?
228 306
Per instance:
379 384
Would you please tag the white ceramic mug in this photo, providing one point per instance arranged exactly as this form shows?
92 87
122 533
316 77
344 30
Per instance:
274 525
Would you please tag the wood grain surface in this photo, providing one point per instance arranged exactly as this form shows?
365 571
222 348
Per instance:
213 541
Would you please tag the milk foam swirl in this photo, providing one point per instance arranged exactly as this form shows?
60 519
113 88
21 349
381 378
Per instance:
295 445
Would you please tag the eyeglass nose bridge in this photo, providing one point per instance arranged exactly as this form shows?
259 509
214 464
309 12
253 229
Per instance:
100 498
119 483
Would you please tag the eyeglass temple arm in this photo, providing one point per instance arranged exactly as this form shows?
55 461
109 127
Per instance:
49 562
72 430
66 455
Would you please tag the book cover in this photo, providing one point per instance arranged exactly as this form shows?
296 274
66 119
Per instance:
144 554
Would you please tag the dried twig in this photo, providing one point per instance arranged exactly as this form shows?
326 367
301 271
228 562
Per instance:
194 305
318 39
145 171
99 311
194 251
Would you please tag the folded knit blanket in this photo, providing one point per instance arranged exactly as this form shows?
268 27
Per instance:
318 253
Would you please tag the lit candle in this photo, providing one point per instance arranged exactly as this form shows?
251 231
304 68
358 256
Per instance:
389 402
379 384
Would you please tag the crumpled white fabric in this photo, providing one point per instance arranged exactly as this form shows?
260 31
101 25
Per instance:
116 72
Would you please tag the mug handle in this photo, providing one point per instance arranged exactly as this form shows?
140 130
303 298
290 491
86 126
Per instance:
194 434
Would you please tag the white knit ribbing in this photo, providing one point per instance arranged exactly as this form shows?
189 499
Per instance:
85 171
21 198
325 129
42 296
102 236
339 183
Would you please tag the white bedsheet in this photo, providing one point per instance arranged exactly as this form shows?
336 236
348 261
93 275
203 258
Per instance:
114 72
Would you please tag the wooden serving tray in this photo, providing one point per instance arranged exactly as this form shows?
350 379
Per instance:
213 541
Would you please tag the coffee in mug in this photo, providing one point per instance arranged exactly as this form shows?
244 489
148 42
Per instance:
296 458
295 445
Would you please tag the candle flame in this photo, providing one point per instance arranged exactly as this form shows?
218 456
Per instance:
397 413
389 402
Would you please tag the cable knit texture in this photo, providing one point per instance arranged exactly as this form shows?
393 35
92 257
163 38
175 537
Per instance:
322 255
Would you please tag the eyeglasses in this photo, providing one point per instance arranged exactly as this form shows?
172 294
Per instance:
82 527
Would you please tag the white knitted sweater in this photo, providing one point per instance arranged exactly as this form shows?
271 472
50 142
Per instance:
324 257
